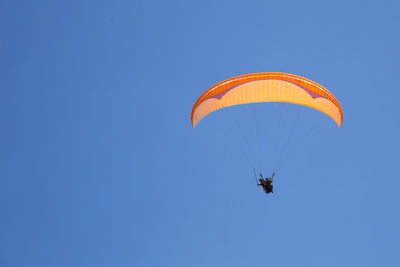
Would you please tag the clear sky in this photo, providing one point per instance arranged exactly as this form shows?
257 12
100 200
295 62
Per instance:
99 164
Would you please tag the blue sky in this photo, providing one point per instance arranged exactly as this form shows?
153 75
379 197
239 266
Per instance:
99 164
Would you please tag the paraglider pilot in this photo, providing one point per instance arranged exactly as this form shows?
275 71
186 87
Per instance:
266 183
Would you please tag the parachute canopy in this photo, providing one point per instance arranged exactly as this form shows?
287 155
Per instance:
267 87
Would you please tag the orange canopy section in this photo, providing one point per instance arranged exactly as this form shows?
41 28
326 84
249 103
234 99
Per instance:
267 87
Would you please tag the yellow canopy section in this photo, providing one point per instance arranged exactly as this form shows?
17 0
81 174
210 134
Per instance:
267 87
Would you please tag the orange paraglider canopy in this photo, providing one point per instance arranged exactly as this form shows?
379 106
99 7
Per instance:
267 87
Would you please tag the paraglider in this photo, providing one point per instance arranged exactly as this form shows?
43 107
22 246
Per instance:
266 183
267 87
